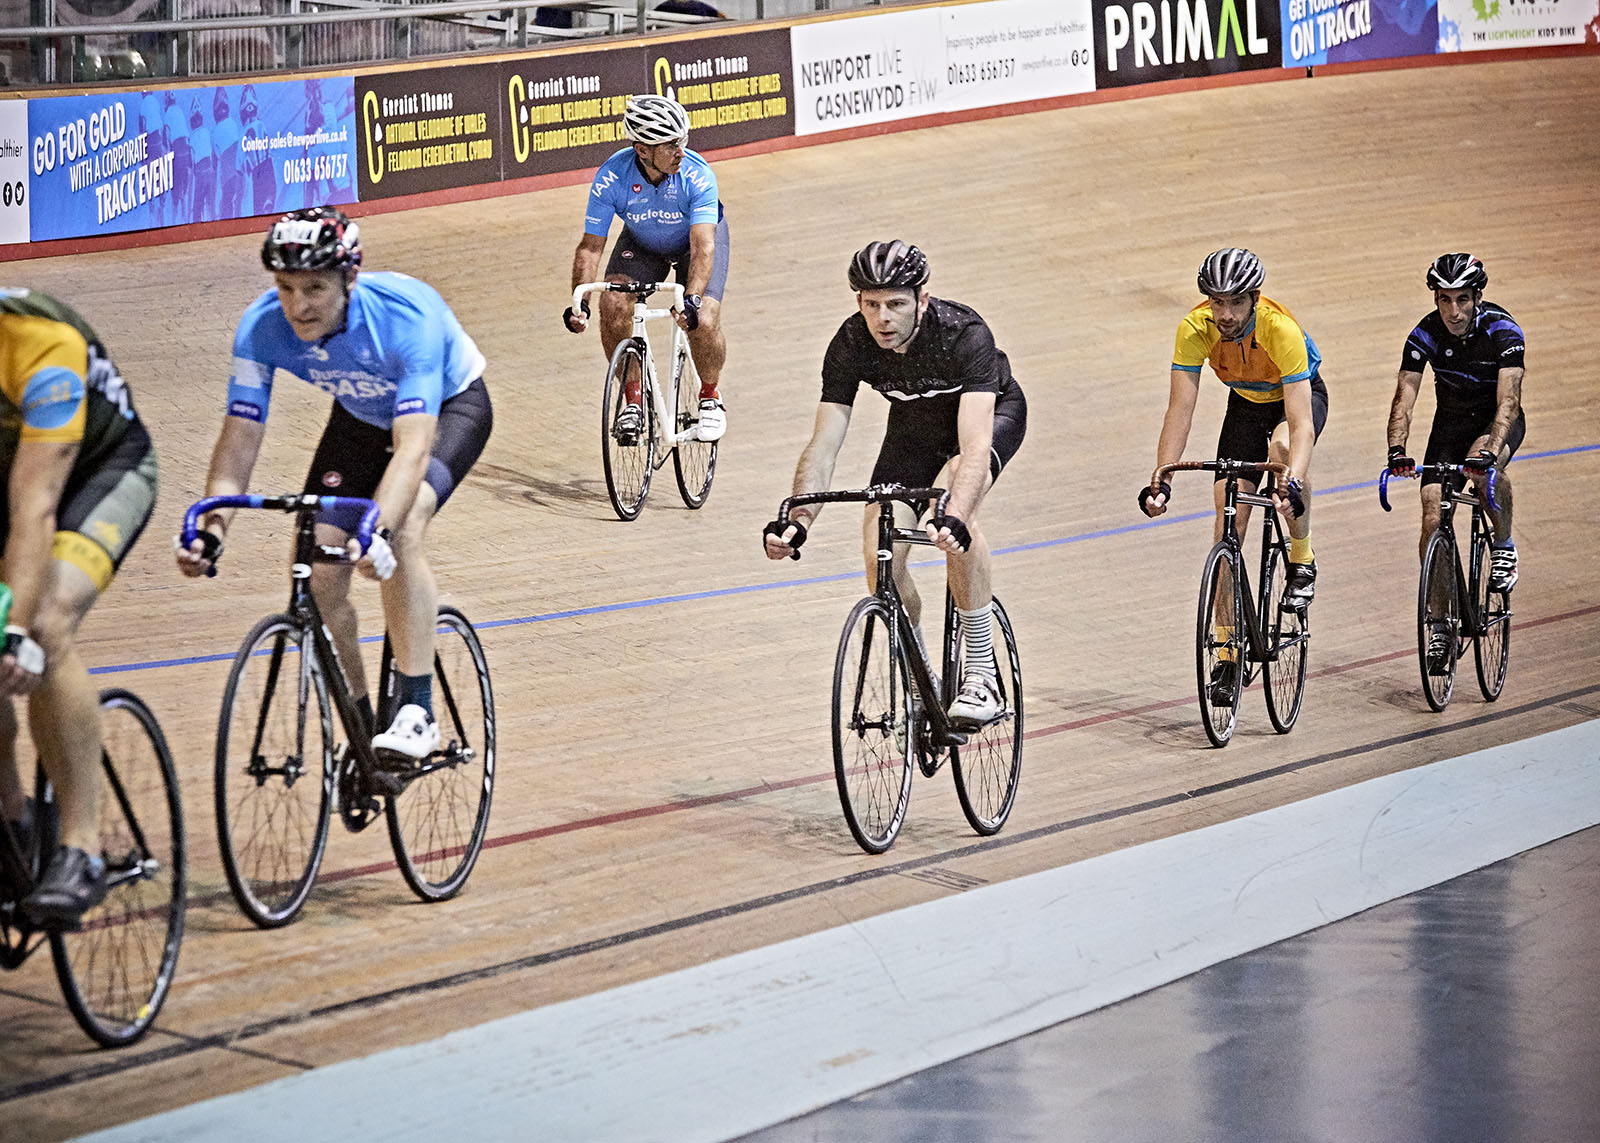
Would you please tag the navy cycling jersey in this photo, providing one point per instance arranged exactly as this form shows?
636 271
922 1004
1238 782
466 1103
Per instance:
658 215
1466 370
400 351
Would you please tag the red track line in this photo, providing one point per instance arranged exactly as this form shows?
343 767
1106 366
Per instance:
813 779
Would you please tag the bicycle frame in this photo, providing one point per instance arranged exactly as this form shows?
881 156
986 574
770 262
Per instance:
902 641
302 609
1258 647
664 398
1467 582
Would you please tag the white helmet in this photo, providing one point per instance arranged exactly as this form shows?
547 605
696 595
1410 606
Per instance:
652 119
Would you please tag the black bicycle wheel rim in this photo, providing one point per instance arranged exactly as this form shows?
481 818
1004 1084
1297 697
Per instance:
871 728
1215 641
1438 582
438 823
1491 645
988 769
628 467
1283 674
694 462
116 969
274 775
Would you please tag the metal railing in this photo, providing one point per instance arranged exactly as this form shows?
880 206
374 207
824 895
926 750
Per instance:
199 37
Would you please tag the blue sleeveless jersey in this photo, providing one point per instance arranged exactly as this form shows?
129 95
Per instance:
658 216
400 350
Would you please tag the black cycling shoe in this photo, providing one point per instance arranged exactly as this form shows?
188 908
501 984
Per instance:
1302 585
73 883
1224 676
1439 652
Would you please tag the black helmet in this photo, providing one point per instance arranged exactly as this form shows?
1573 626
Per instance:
1230 271
892 265
316 238
1457 272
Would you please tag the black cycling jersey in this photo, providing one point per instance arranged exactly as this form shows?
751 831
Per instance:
1466 370
952 353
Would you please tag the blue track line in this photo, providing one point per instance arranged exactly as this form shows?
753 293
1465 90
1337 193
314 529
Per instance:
722 592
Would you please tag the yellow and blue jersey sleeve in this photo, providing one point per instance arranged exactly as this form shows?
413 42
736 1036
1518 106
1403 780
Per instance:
1273 352
42 375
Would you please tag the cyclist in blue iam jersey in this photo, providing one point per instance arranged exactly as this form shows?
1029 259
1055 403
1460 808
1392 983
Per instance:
410 417
666 196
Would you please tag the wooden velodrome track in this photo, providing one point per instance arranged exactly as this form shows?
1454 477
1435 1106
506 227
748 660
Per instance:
665 793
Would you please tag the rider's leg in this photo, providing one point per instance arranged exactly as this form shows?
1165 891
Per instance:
64 713
330 585
411 605
13 798
903 518
1503 555
709 347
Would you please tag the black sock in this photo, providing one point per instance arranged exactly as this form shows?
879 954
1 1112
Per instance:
364 705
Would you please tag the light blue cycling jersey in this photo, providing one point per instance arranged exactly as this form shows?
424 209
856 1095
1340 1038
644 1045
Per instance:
400 350
659 216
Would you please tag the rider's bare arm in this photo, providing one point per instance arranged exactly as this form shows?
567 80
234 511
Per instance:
1302 428
702 256
1508 395
975 431
1406 386
38 474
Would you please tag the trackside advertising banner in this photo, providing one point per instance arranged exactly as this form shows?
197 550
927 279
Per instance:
1483 25
735 88
563 112
1138 41
101 164
898 65
1317 32
429 130
13 171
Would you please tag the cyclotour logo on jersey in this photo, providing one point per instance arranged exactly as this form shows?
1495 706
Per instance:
1171 39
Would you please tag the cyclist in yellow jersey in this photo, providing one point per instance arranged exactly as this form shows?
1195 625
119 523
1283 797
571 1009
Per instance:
79 483
1277 402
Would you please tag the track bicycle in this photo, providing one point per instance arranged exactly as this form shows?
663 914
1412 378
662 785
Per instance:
670 413
116 966
879 727
279 772
1256 633
1457 604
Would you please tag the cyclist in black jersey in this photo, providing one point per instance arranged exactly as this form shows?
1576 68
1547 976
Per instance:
1476 350
956 418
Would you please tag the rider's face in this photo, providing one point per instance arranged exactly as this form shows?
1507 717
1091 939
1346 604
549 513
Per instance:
891 315
662 158
1232 312
313 300
1456 308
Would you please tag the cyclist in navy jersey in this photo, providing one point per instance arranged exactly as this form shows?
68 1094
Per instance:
410 417
1476 351
956 418
672 221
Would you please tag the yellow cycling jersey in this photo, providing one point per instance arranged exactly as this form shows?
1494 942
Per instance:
56 383
1273 351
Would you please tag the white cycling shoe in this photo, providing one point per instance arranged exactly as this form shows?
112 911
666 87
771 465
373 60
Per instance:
713 420
413 733
977 703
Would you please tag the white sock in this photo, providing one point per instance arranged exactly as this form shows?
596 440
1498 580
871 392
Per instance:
977 633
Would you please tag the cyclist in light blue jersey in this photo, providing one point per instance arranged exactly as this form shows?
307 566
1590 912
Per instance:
666 196
410 417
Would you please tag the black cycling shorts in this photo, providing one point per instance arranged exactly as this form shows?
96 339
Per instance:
1248 426
912 461
351 457
645 265
103 508
1453 435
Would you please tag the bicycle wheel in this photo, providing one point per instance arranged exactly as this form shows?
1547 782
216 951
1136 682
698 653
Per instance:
274 772
1283 674
988 767
1220 638
872 729
693 462
629 461
438 822
1491 641
1438 610
116 968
